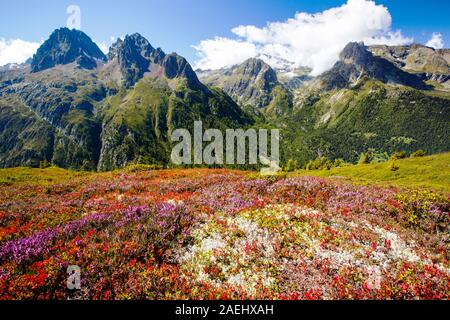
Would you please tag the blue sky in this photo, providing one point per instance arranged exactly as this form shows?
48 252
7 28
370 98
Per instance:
177 25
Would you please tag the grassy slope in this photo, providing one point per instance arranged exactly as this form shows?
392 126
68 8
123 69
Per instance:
432 172
429 172
32 176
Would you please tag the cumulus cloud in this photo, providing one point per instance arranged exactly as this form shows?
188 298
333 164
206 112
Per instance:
436 41
221 52
16 51
313 40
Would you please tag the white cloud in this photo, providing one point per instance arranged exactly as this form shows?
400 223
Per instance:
16 51
313 40
221 52
103 46
436 41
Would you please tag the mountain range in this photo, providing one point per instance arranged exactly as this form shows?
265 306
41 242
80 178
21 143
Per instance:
78 108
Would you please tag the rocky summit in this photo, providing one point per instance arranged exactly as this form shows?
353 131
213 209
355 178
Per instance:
415 58
135 57
355 62
253 83
66 46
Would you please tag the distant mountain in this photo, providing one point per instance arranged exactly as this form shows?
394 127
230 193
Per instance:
13 66
106 113
356 62
428 63
66 46
294 78
415 58
253 83
366 102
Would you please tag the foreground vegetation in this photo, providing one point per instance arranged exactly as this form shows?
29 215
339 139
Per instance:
220 234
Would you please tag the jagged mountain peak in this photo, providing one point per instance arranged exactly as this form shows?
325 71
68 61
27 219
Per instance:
254 66
114 49
177 66
355 52
416 58
65 46
252 83
357 62
136 57
131 44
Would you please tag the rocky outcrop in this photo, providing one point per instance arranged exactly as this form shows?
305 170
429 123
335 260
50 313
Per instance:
133 54
415 58
356 62
67 46
136 57
253 83
176 66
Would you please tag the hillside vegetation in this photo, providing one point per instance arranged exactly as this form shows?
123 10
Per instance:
429 172
218 234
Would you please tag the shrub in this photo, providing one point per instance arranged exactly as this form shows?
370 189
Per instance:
44 164
291 165
420 205
339 163
320 163
364 158
379 157
323 163
142 167
398 155
87 166
373 156
418 154
393 166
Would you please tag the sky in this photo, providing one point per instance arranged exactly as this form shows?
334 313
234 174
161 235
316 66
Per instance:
212 34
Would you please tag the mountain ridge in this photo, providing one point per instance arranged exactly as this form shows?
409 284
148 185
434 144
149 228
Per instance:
89 118
106 112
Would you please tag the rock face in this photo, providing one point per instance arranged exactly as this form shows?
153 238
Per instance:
136 57
176 66
66 46
356 62
133 54
427 63
415 58
253 83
